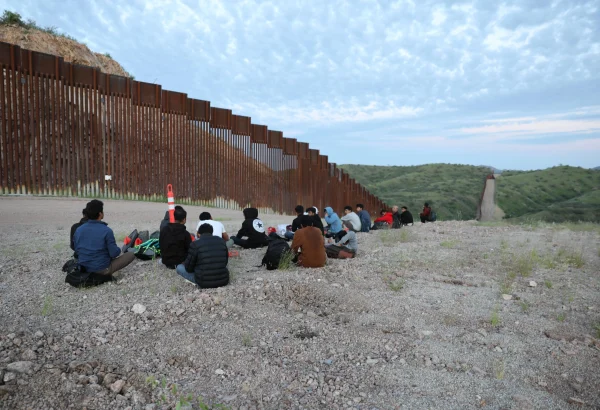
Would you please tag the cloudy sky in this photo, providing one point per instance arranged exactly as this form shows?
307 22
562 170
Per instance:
515 84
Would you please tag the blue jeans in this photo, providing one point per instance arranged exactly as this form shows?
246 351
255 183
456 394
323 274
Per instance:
186 275
288 235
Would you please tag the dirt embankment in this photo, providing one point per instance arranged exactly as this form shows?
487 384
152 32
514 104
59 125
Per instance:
71 50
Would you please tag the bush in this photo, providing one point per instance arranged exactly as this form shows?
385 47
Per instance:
10 17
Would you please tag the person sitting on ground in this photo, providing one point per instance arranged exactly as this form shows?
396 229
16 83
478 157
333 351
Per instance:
175 240
83 220
396 221
95 244
317 222
348 242
252 228
365 218
405 216
351 219
309 245
295 223
385 220
206 261
218 228
426 214
334 224
166 219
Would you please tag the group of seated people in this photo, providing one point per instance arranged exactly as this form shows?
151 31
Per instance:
202 258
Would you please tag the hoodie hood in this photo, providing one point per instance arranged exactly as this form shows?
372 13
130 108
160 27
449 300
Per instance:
329 210
250 213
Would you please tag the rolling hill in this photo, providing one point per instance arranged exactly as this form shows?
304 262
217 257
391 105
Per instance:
452 190
557 194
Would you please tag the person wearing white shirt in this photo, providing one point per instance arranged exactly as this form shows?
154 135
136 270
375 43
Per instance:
218 227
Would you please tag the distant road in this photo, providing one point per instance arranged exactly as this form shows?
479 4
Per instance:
488 207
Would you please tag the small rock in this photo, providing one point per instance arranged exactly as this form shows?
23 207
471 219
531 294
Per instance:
506 297
426 332
576 387
532 283
117 386
498 349
523 402
294 307
180 312
138 308
69 339
310 313
478 370
39 334
220 372
20 367
372 361
28 355
575 400
482 332
8 376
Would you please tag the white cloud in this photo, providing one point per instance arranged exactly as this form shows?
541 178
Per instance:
438 17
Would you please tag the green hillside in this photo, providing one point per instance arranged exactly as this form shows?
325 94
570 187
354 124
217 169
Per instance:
452 190
555 194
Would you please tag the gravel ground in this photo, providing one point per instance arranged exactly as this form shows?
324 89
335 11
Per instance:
434 316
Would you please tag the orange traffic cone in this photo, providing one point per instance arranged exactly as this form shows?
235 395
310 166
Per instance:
171 202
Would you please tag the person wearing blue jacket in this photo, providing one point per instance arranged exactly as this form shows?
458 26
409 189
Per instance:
95 244
333 221
365 218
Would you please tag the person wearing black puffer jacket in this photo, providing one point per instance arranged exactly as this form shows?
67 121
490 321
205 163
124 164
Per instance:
252 228
206 262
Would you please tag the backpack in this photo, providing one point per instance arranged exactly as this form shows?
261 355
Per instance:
147 250
78 277
432 216
275 250
380 225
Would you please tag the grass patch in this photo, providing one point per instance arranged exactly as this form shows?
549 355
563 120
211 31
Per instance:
498 369
561 317
174 289
524 306
548 284
405 236
450 243
495 317
47 306
246 340
596 328
287 260
450 320
395 285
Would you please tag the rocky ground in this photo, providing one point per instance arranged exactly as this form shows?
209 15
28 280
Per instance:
449 315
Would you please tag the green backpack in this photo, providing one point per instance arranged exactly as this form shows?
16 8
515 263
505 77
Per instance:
147 250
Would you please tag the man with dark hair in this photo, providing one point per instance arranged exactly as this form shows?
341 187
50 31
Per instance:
317 222
253 229
309 245
295 223
206 262
218 227
426 214
83 220
405 216
166 219
365 218
95 244
351 220
175 240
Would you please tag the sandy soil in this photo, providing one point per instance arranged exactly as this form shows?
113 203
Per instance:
434 316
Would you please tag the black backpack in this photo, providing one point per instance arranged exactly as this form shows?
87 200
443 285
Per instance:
275 250
79 278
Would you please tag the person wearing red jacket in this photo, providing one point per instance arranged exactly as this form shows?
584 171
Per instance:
386 219
426 214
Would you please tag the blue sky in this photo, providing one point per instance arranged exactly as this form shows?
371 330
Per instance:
515 85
